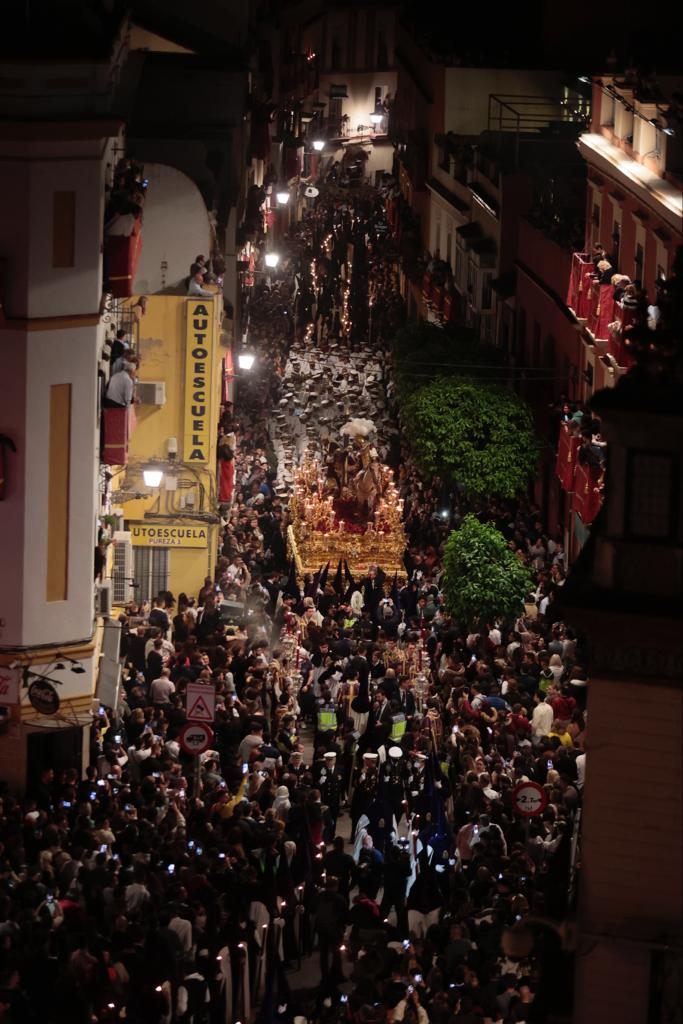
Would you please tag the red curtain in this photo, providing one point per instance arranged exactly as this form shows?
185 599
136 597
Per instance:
567 450
226 483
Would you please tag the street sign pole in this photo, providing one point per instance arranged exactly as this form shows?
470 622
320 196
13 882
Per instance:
197 767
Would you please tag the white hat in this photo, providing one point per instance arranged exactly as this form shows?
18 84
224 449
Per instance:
395 752
330 753
371 757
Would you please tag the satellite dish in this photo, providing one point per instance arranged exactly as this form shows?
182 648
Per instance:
311 192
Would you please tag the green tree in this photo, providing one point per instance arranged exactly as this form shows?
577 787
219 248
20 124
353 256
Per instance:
422 351
473 433
483 578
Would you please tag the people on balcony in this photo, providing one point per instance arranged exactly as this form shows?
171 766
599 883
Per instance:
121 387
196 286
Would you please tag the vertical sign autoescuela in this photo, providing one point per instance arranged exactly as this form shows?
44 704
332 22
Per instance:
198 378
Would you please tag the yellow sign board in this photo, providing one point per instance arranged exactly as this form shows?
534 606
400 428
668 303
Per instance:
169 535
198 377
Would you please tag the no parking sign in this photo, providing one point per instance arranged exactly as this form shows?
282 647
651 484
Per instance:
195 738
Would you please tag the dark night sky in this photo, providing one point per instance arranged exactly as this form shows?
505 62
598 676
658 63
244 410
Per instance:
532 33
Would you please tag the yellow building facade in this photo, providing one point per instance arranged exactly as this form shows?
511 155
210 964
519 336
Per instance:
173 529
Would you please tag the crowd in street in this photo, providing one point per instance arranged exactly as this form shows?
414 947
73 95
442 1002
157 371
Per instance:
356 806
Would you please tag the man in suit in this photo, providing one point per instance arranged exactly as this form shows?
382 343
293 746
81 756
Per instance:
406 698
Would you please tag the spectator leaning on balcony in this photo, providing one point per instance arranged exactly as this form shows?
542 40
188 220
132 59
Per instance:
195 286
121 387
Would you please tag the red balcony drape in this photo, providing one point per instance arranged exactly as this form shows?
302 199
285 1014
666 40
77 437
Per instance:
602 310
117 427
587 497
578 295
567 451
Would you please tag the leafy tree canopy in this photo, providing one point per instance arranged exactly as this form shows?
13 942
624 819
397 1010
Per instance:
483 579
477 434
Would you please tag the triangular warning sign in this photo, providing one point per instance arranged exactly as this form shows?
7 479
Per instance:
199 711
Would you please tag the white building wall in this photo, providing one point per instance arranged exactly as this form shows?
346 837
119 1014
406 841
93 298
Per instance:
66 291
60 357
175 229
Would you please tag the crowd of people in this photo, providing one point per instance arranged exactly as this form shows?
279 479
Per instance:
355 811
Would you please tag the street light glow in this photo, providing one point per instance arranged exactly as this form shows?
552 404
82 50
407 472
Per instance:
282 197
318 145
272 259
152 477
245 360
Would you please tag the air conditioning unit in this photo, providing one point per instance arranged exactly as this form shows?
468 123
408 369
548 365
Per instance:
103 599
122 572
151 392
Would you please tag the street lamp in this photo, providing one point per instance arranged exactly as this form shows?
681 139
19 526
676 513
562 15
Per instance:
318 145
282 195
152 476
272 259
377 115
246 359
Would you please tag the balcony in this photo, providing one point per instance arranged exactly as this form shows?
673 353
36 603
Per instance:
583 480
580 282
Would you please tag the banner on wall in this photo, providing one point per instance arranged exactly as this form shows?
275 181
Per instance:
169 535
198 376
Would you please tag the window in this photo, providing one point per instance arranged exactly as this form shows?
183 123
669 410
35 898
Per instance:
520 338
150 572
536 345
486 292
596 215
334 114
638 261
449 242
382 51
651 495
616 240
336 54
471 280
63 229
458 266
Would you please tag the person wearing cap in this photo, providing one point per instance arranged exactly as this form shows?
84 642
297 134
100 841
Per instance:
394 774
329 782
418 798
366 783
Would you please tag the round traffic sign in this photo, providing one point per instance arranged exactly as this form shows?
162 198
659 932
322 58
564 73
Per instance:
529 799
195 738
